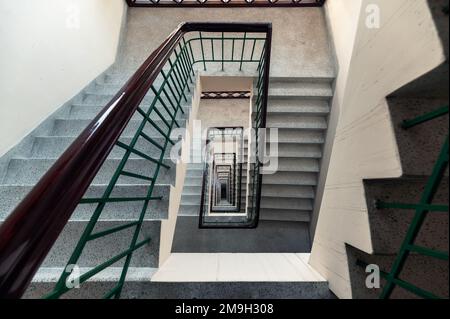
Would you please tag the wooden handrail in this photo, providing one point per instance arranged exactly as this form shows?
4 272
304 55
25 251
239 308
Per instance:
31 230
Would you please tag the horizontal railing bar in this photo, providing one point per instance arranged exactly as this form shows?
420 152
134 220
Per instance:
53 199
424 207
428 252
425 117
111 230
138 176
414 289
117 199
162 117
226 60
99 268
149 139
139 153
401 283
152 123
161 100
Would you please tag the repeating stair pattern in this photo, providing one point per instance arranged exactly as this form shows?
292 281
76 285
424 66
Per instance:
299 109
24 171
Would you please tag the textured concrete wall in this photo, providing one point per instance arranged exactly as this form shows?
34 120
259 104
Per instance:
300 41
383 59
50 50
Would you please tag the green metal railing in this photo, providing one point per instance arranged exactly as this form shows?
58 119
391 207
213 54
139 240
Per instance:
258 122
165 104
421 209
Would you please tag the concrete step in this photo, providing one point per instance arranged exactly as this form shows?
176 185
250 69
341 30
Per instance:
430 274
389 226
296 122
194 199
419 147
297 150
298 165
217 218
119 77
199 172
196 190
97 98
29 171
293 150
101 249
54 146
315 79
75 127
189 209
288 191
293 204
191 199
95 288
139 286
87 112
193 181
111 86
192 190
305 136
291 178
298 106
271 214
193 209
242 275
288 89
11 195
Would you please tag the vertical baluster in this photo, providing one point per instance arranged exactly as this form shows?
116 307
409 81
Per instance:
261 58
243 49
60 286
164 105
203 51
173 76
169 85
144 209
253 50
232 50
181 70
162 101
174 72
184 66
223 58
188 60
192 56
212 49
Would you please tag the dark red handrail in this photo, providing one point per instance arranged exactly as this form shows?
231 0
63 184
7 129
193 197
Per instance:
30 231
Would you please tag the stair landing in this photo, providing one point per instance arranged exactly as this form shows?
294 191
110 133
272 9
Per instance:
223 267
234 276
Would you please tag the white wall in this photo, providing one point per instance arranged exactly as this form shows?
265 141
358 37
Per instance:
342 19
381 60
50 50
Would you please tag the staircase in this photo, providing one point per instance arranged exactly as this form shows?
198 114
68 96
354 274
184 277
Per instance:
192 191
426 271
299 109
25 169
